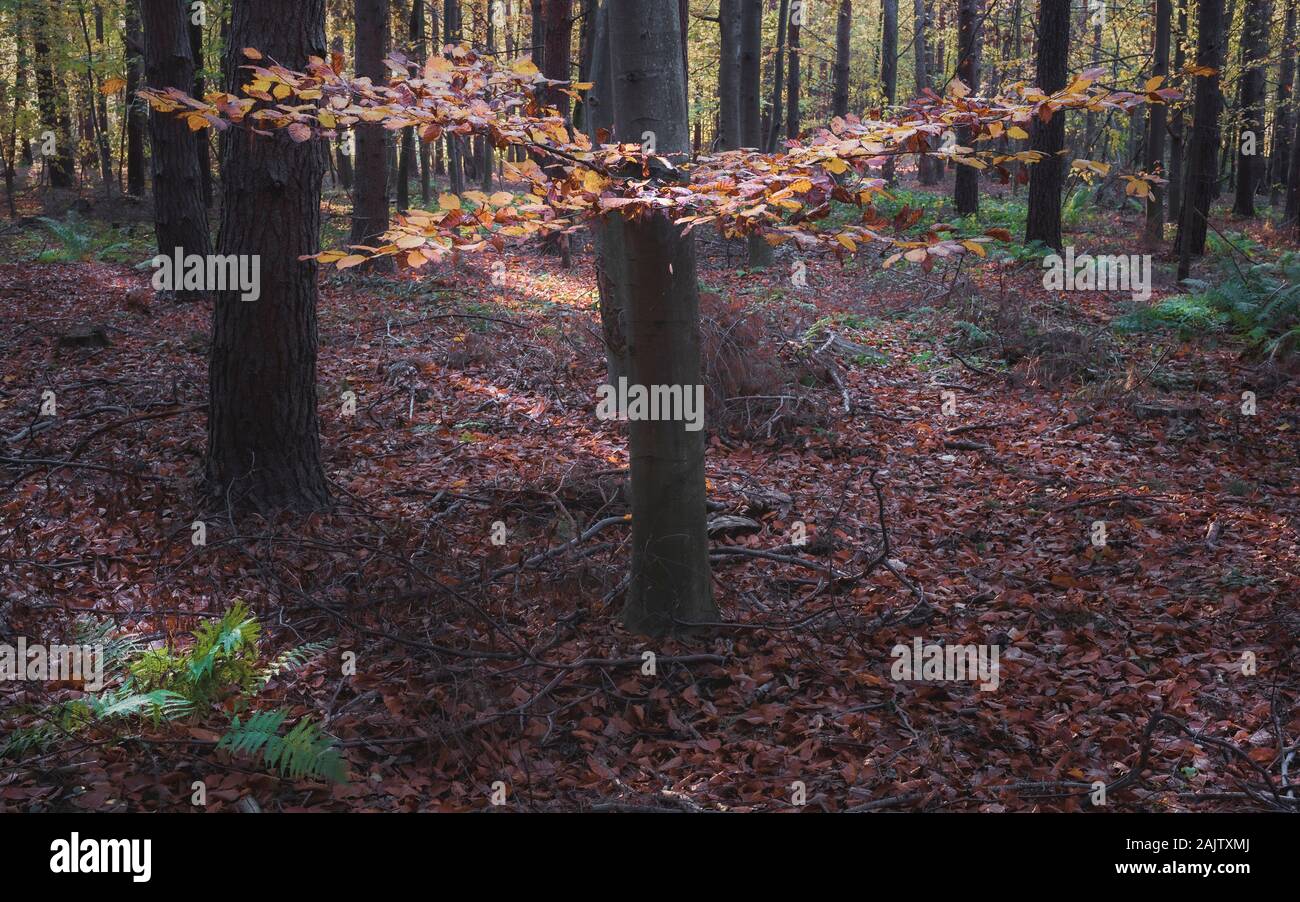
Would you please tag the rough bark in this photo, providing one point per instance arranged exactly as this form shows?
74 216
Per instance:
1177 129
751 102
263 426
1280 153
794 86
670 581
180 217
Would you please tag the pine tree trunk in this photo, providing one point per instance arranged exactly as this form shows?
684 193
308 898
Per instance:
180 217
263 425
1204 142
1155 149
671 582
370 175
966 195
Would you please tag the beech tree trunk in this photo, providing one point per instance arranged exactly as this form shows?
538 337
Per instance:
1251 136
263 425
778 78
729 131
794 87
1176 127
655 268
1204 143
1156 113
180 217
751 104
370 172
843 51
137 111
966 196
927 171
1281 150
888 65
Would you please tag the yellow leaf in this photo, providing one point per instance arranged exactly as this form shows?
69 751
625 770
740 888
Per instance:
975 248
1017 132
525 66
350 261
252 54
835 165
406 242
448 202
847 242
112 85
279 92
501 199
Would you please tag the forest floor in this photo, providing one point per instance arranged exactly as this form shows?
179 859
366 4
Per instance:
477 663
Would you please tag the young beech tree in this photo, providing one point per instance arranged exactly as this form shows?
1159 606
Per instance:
263 426
644 197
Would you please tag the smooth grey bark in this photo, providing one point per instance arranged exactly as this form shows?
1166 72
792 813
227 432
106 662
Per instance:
729 133
927 171
966 196
671 582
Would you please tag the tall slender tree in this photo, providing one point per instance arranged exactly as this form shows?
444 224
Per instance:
370 173
1177 128
1046 177
751 103
137 111
52 102
655 270
1284 102
794 87
844 51
1155 143
778 78
1250 143
1204 142
263 425
926 169
966 196
729 120
888 66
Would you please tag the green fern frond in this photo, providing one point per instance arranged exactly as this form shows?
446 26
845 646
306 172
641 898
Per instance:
304 752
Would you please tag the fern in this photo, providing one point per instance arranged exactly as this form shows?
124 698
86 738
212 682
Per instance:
289 660
303 752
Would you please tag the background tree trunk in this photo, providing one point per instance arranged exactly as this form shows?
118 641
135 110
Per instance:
137 115
1176 127
927 171
263 425
1046 177
778 78
794 87
1155 150
52 102
729 131
844 51
966 196
888 66
180 217
670 561
1254 58
751 103
370 175
1281 150
1204 143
